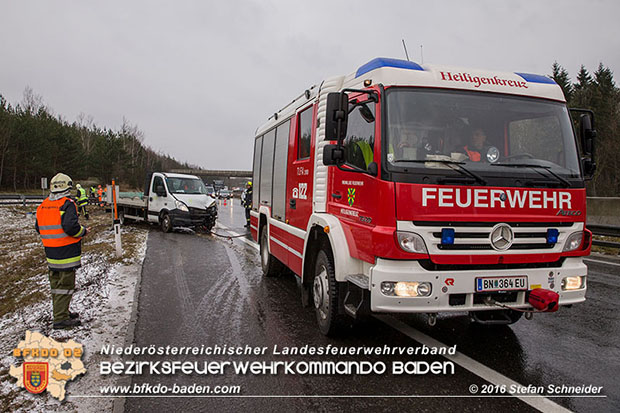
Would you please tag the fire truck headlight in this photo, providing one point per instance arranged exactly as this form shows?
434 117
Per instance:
406 288
572 283
573 241
411 242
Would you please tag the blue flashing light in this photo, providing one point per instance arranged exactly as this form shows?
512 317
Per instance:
447 236
387 62
552 235
532 78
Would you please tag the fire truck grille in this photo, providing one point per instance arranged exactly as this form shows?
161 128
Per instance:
475 237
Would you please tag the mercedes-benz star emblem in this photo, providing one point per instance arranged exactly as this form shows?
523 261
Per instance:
501 237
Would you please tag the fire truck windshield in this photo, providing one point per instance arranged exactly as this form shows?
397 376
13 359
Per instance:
505 138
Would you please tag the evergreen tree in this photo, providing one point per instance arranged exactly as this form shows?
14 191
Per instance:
560 75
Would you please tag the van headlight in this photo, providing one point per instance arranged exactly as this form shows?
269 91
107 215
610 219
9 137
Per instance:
411 242
573 241
181 206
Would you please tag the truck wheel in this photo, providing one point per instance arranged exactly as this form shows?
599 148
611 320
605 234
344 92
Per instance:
325 295
271 265
121 218
166 223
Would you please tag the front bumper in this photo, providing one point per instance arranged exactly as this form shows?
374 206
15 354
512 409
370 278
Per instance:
194 217
461 285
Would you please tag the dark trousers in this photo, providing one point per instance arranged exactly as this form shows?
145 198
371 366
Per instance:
63 286
247 216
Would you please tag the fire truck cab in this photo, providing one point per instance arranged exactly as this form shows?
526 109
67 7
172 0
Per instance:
420 188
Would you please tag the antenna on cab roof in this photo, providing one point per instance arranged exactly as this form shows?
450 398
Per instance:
405 47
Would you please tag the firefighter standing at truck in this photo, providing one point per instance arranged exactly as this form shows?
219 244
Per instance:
61 234
82 201
246 201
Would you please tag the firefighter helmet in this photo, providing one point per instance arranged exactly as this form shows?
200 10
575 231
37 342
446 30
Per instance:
60 183
249 183
78 186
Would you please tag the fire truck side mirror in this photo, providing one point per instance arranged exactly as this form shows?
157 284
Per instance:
336 116
333 155
588 135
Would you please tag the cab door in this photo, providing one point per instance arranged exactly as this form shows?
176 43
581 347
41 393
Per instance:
353 196
157 202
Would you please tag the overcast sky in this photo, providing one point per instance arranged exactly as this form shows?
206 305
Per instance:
198 77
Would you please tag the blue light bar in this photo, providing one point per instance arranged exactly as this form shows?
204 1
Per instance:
532 78
552 235
447 236
387 62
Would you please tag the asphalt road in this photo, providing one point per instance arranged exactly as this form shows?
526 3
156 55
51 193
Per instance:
207 290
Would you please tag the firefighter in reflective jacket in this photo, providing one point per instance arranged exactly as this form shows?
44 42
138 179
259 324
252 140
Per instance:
246 201
82 200
100 195
61 233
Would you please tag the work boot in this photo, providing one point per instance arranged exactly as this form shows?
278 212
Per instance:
69 323
73 315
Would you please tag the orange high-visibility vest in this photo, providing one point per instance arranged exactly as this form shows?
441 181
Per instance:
60 248
473 155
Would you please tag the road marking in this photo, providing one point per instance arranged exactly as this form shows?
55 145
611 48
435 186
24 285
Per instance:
602 262
542 403
233 233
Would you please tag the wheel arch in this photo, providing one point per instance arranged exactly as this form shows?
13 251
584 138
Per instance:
335 240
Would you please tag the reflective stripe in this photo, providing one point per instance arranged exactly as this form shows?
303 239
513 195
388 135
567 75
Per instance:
53 236
64 261
48 227
80 233
62 213
64 266
64 292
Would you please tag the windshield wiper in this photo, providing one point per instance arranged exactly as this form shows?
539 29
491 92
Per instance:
460 166
546 168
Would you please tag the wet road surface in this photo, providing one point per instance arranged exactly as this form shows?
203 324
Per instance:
203 290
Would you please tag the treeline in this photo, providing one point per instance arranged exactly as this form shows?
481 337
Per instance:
597 92
35 143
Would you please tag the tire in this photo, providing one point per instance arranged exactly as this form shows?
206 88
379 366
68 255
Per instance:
325 293
270 264
166 222
122 220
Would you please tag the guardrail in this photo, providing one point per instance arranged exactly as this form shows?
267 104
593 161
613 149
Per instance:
605 230
597 229
18 199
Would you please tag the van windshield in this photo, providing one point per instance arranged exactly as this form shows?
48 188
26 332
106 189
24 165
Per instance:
488 134
191 186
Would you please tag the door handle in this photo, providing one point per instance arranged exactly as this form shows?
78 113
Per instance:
292 203
151 199
336 195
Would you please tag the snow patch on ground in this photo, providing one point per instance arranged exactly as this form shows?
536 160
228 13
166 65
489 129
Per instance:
103 298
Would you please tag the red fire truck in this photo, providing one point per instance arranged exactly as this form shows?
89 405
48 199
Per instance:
420 188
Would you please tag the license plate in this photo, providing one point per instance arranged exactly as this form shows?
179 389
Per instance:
484 284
